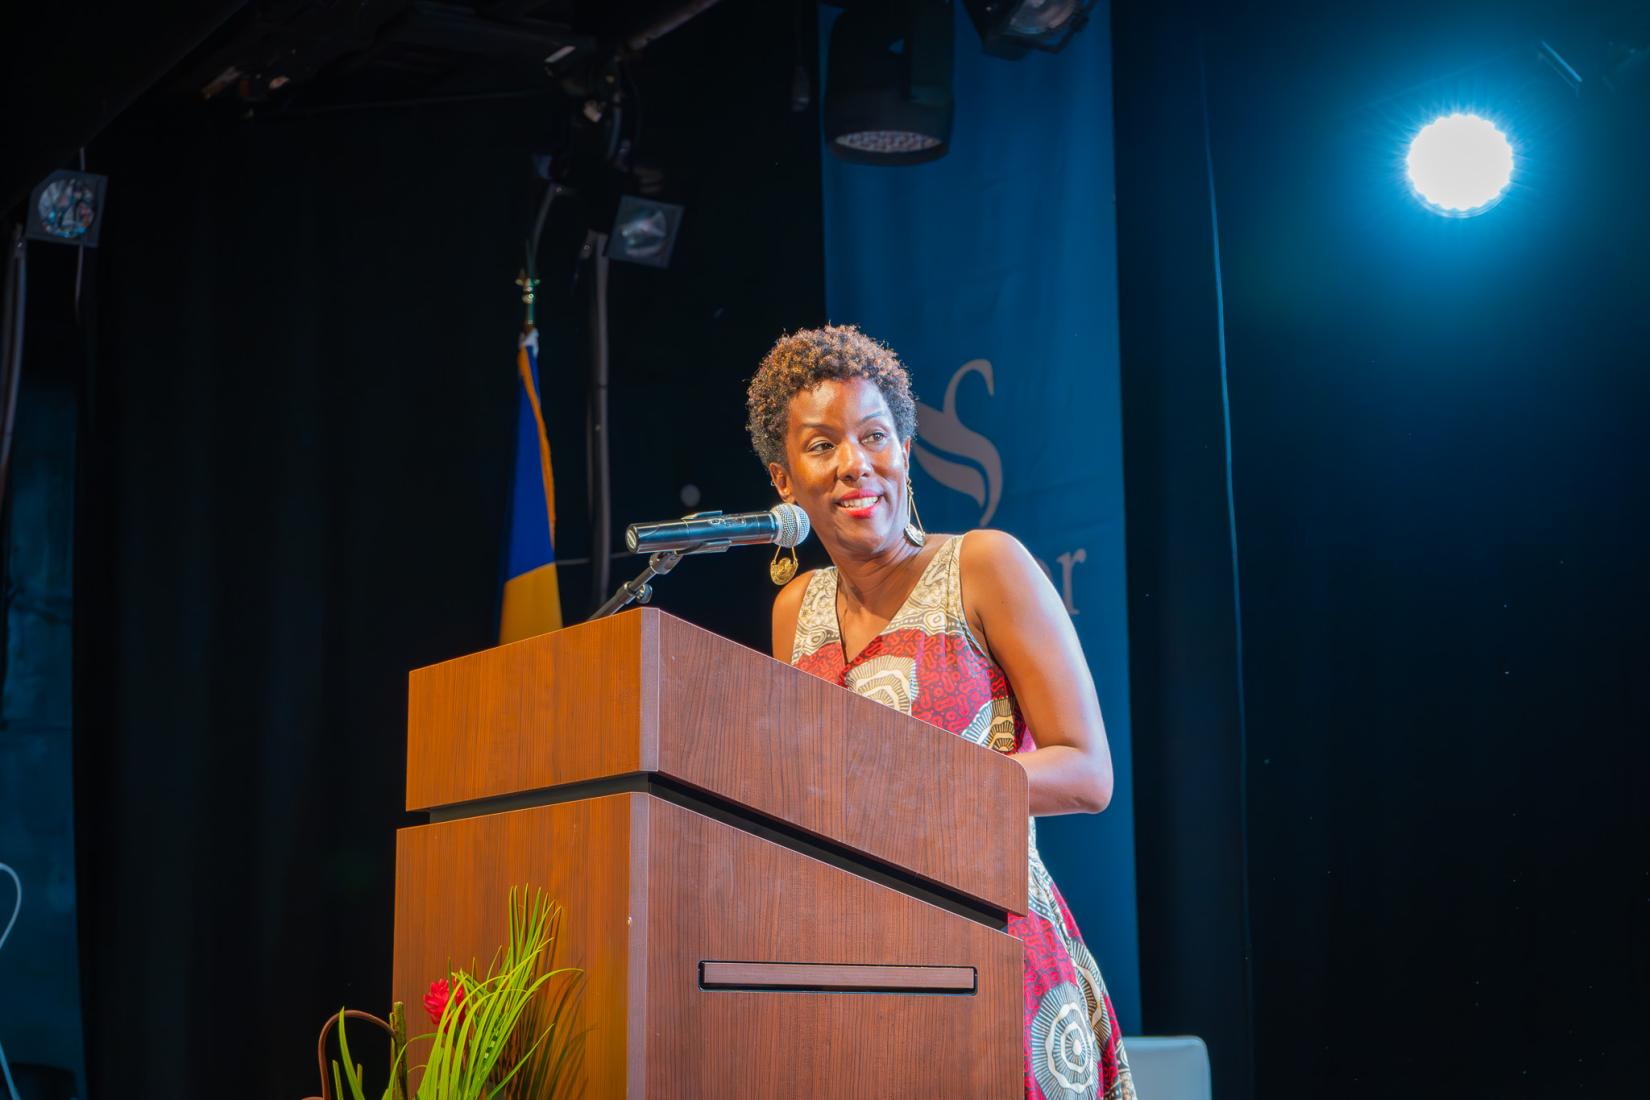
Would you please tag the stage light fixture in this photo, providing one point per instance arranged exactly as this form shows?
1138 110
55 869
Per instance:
1459 165
888 82
1008 28
67 208
644 231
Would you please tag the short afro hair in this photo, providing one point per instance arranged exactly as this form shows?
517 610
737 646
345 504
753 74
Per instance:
810 356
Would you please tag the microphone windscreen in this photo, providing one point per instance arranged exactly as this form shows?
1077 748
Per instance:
793 524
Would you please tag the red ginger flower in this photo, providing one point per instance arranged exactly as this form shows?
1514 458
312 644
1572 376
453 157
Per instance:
435 1001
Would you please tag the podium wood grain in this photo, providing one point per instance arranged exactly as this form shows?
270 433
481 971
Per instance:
652 890
644 692
775 887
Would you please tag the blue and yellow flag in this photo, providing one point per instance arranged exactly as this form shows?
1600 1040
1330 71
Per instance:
532 598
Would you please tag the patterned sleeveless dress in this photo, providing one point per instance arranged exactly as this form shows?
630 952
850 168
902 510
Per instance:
928 664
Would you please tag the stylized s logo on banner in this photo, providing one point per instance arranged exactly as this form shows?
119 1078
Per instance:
942 430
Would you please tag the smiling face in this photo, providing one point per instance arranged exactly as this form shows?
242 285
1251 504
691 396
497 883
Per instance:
846 466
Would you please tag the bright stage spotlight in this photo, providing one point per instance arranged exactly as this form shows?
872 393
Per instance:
1459 165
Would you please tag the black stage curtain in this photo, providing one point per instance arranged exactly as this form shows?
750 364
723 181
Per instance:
1439 478
299 445
1183 662
295 497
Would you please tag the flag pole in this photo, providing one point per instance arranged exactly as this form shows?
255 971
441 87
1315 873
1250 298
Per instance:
528 286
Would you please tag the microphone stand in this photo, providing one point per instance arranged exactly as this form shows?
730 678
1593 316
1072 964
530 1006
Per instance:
639 589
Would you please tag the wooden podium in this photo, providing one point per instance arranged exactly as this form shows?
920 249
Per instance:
775 887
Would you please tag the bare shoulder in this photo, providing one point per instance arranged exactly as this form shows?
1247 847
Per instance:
1010 603
1002 585
995 560
786 607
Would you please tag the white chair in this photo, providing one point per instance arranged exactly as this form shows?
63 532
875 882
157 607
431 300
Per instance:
1169 1067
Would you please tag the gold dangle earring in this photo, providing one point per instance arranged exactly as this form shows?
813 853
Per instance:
781 570
914 534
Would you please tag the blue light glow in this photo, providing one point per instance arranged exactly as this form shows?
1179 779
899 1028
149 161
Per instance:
1459 165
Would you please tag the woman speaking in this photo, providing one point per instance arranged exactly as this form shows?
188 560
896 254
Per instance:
961 631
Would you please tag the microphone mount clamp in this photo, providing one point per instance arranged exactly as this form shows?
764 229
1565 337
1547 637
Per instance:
639 589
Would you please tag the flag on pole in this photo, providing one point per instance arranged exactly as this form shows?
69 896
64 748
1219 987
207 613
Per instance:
532 597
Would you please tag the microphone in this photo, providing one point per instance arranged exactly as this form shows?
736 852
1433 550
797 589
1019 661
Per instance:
785 524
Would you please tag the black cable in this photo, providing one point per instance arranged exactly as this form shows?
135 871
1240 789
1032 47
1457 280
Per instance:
5 933
80 254
280 112
1237 588
801 92
661 24
11 348
600 480
635 92
531 264
615 131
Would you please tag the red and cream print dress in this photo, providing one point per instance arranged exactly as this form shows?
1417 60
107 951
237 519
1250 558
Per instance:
928 664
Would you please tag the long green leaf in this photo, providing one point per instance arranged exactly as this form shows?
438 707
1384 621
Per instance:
353 1076
514 1037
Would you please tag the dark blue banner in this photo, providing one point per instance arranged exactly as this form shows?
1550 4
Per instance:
993 273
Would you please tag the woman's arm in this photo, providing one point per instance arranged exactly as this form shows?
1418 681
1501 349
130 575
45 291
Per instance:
1018 617
786 607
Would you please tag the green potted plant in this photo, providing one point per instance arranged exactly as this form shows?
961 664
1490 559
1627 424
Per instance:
508 1035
